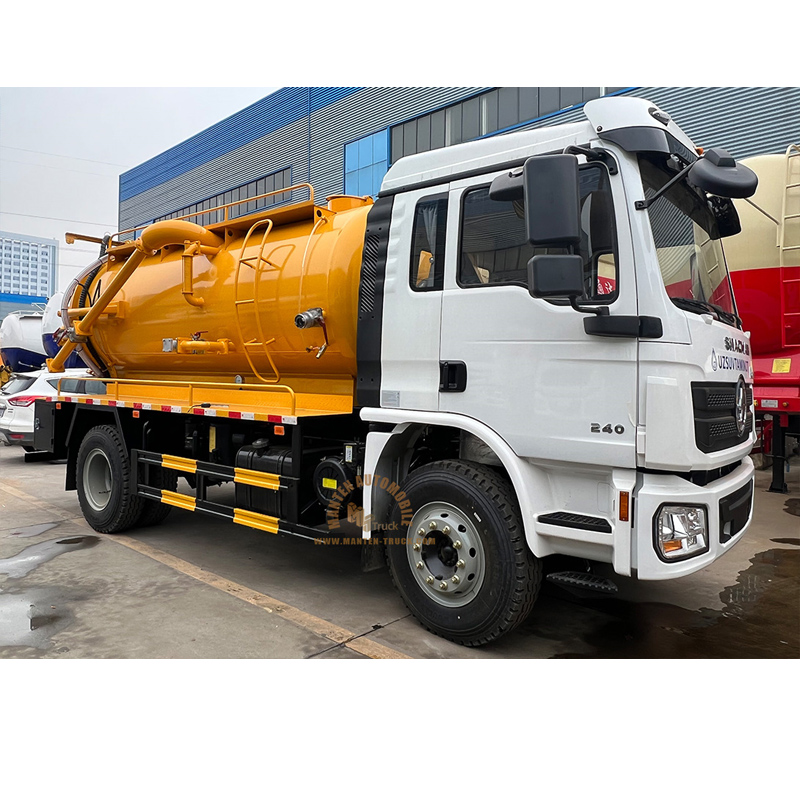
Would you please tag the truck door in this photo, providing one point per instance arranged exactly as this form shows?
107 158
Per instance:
412 305
523 365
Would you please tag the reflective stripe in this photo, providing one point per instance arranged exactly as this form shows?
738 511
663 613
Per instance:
262 480
179 500
181 464
253 520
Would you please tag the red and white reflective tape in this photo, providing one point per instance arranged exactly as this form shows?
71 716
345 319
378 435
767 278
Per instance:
197 410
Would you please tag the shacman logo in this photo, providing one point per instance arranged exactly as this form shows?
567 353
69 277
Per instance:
355 513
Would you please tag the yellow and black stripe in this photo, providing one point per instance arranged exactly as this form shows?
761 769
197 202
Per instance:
203 471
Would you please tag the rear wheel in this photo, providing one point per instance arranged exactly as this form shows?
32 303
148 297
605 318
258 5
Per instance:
105 484
462 565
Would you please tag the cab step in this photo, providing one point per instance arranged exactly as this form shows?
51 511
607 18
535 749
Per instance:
583 580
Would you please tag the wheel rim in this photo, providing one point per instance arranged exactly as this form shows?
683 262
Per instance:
97 479
446 554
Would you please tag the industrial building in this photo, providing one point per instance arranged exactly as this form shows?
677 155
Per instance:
27 271
344 139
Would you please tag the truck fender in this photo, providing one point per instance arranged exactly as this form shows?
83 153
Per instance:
388 451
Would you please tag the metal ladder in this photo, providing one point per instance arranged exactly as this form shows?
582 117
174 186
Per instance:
789 312
792 152
258 263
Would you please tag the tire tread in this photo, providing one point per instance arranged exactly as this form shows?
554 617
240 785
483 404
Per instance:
131 506
528 569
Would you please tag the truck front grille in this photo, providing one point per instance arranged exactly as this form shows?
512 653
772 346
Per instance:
715 416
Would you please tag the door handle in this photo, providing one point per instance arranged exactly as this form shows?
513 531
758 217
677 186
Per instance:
452 376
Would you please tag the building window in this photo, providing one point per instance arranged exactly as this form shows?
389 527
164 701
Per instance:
484 114
365 164
266 185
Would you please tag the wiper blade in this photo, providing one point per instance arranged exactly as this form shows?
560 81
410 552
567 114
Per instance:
697 306
727 315
700 306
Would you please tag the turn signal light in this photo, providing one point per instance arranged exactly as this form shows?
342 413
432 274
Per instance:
25 400
624 500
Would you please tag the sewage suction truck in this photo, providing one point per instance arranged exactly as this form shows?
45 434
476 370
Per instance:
526 346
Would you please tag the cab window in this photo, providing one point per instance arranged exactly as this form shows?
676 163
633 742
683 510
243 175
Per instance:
494 248
427 244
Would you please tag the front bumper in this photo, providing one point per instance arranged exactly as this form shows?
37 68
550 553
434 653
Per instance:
655 490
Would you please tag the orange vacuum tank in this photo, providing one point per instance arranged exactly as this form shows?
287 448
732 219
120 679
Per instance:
237 290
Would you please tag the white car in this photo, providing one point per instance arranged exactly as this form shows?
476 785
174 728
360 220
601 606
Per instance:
19 395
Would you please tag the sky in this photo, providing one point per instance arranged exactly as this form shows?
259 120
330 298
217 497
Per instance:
62 151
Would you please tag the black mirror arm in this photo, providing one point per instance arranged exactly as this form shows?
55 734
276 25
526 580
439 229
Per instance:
641 205
594 154
601 311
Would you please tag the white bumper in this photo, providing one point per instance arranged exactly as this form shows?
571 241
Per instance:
656 490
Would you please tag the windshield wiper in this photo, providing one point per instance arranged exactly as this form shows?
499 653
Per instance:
700 306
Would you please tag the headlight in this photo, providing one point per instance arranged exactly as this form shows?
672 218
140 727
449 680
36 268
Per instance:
681 532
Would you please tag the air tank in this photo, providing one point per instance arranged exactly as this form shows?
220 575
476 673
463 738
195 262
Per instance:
21 341
237 288
53 330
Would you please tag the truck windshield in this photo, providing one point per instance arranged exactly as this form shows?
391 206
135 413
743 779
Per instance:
687 243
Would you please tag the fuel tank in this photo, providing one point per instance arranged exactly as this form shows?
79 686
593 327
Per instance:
238 293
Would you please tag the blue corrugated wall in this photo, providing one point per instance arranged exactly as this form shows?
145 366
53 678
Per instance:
273 112
273 134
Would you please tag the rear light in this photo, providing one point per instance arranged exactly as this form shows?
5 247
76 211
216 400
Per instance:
25 400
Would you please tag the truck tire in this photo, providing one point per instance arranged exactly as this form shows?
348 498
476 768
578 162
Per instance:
461 564
105 483
154 512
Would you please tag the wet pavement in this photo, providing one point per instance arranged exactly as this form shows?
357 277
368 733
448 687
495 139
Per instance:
67 592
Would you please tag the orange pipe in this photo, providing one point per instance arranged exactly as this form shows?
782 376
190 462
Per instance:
154 237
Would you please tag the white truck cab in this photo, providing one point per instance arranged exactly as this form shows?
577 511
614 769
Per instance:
559 297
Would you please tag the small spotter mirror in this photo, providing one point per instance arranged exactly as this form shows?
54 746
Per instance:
718 173
507 187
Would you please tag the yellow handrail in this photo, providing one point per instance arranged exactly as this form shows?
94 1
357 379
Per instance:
226 207
192 386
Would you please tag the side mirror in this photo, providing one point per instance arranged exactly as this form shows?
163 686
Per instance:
718 173
552 200
556 276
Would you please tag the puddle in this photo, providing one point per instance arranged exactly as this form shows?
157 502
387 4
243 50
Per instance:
34 555
30 618
760 619
34 530
792 506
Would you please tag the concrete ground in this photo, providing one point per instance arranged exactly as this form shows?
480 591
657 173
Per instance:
196 587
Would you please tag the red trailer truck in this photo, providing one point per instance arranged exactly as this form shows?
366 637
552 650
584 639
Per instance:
764 260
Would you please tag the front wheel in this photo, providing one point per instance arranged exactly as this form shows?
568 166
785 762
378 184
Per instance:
105 484
461 564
